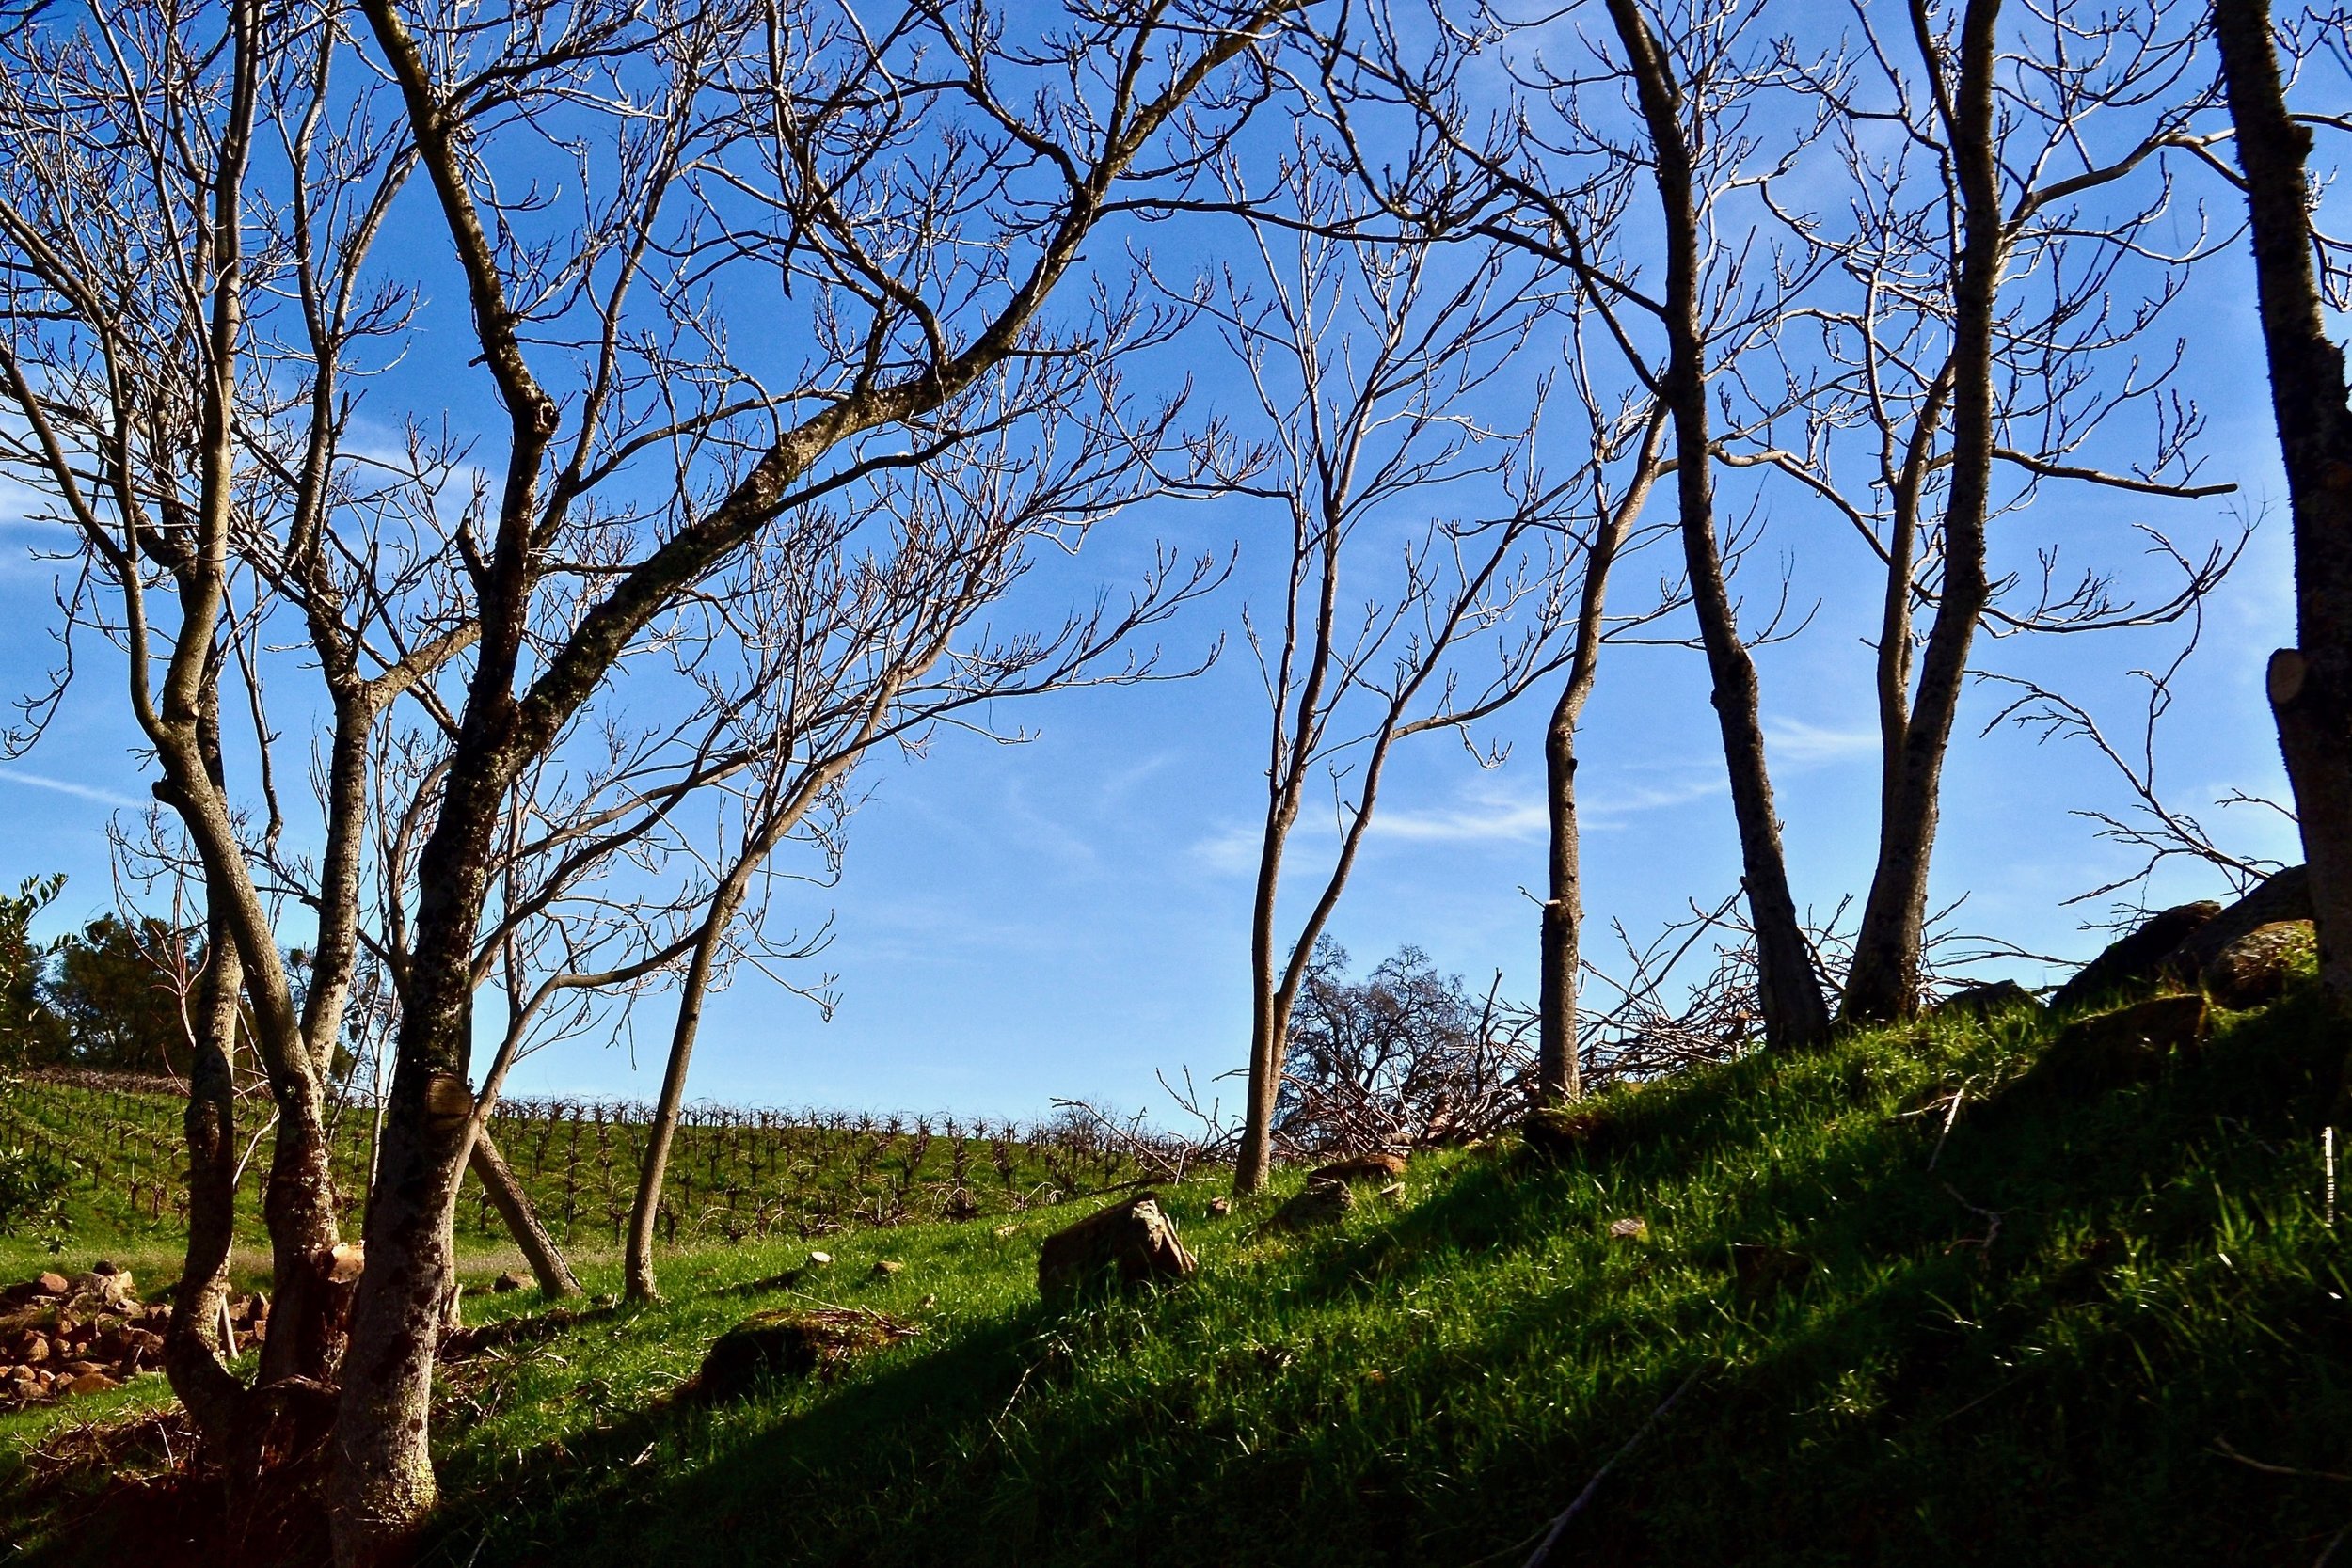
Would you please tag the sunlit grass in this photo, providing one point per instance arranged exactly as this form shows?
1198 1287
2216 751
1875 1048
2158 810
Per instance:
1431 1381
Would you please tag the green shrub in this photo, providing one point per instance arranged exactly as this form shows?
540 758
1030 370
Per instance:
32 1193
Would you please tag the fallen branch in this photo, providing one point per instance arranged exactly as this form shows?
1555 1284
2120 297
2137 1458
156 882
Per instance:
1552 1537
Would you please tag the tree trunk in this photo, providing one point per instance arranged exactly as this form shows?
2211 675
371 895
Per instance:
555 1276
1794 1012
310 1309
1253 1163
384 1488
637 1263
2309 685
192 1352
1559 1073
1883 983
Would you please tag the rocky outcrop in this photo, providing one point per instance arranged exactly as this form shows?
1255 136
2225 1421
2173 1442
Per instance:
1988 1000
2130 1045
2136 959
60 1337
1130 1243
791 1342
1382 1168
2283 897
2255 968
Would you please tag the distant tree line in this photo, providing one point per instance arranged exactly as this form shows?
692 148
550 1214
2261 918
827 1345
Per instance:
107 997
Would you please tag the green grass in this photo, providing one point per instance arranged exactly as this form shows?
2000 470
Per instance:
1430 1383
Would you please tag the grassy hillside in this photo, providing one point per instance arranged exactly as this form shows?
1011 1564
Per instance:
2037 1339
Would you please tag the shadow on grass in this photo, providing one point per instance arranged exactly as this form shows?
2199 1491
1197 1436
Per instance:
2053 1388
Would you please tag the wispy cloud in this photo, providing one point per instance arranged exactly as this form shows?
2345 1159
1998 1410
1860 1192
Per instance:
1230 849
66 786
1471 821
1604 808
1476 817
1804 745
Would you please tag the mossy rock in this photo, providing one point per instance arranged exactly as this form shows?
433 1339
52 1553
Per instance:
2129 1045
790 1342
1990 999
1132 1242
2255 969
1320 1203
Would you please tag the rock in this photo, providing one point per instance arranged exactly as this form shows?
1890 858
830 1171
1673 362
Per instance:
36 1351
101 1266
885 1267
1379 1167
1763 1270
1631 1228
1220 1207
2283 895
346 1262
821 1260
789 1343
2130 1045
91 1382
1318 1203
1133 1241
1555 1131
509 1282
54 1285
2256 967
2138 959
1988 1000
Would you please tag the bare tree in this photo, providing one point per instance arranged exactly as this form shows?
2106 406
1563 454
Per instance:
1362 354
1551 175
849 650
185 319
1614 510
1983 320
176 330
2310 684
1405 1058
926 188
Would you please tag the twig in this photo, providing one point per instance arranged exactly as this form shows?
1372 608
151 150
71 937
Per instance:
1991 1216
2221 1446
1552 1537
1949 1116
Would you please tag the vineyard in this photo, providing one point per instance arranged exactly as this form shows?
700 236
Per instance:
735 1173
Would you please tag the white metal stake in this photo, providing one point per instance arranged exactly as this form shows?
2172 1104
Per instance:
2328 1151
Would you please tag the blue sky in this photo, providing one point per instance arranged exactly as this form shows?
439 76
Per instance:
1068 916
